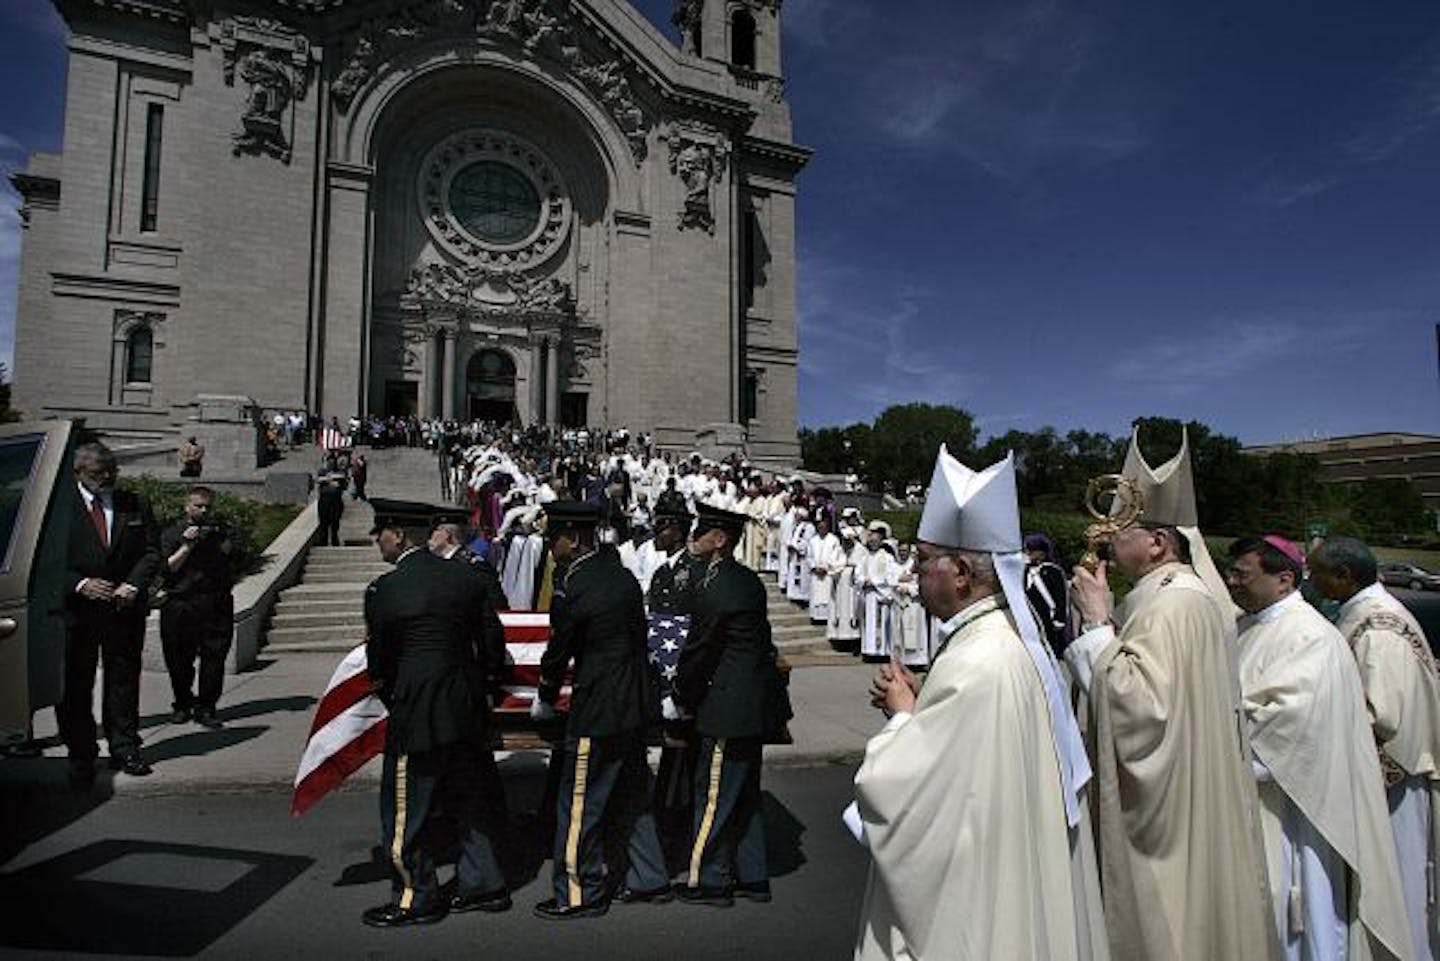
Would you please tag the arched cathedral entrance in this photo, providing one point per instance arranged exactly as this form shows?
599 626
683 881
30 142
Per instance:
490 387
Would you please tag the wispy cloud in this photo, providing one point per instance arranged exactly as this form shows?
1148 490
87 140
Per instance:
1398 109
824 23
1209 357
867 342
1012 93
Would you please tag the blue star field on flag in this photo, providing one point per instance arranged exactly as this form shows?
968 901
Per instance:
666 638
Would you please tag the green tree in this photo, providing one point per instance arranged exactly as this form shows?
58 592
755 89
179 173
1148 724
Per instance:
904 439
7 415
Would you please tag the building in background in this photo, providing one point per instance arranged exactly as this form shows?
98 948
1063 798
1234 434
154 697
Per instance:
1412 457
538 210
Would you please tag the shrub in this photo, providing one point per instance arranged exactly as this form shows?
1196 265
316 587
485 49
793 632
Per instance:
167 499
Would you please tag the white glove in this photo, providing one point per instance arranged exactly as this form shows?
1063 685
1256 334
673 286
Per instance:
669 710
540 711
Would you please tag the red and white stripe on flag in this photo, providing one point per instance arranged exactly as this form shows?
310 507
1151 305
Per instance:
350 721
332 439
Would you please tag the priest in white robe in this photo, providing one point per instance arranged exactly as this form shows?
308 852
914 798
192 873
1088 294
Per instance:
524 553
798 589
776 504
875 574
909 624
1334 878
754 506
971 799
843 630
1402 695
785 532
824 559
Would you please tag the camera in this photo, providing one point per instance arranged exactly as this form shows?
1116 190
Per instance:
209 530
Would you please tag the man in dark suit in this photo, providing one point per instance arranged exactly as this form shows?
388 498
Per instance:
330 505
597 619
429 656
113 553
728 677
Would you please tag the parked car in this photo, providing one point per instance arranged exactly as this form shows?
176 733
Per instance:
1411 576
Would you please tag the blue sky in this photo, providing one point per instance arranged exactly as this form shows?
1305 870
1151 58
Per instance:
1074 214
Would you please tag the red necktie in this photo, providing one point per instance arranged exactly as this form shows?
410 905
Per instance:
97 514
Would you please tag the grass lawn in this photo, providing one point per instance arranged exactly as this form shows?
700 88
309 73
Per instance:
271 519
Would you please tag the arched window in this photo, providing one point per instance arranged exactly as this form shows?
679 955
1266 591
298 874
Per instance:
742 39
139 354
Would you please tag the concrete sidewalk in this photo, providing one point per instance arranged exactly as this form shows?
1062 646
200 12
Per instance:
267 713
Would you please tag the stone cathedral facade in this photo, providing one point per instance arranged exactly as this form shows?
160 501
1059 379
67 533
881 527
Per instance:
532 210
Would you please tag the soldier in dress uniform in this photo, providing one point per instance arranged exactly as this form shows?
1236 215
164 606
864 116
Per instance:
728 677
670 597
597 619
427 654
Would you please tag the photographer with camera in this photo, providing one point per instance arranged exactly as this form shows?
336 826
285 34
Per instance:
198 612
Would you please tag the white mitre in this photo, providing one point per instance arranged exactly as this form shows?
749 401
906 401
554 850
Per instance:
978 511
1168 495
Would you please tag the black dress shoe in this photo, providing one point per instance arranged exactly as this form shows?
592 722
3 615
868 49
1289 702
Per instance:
628 895
205 717
180 715
394 916
492 901
131 764
551 910
712 897
22 749
753 891
82 775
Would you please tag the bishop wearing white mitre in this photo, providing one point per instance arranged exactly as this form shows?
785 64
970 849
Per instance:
971 797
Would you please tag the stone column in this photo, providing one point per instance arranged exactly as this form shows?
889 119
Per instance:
447 395
537 381
340 378
552 382
427 378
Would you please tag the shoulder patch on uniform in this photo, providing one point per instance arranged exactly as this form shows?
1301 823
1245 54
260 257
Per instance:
1168 579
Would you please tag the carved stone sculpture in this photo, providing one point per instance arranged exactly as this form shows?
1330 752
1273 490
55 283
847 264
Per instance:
698 153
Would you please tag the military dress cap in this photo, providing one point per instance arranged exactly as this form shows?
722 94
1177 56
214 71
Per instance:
399 515
565 516
708 517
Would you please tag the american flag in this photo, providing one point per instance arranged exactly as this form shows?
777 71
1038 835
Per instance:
350 721
666 638
333 439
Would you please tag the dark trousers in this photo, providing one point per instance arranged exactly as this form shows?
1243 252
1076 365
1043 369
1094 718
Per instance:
112 640
674 799
728 845
604 781
329 529
192 627
412 788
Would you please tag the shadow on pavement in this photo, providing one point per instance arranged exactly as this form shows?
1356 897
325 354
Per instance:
37 799
141 897
783 850
201 742
269 705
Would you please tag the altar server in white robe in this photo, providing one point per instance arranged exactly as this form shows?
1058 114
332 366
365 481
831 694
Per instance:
972 797
843 630
799 585
909 624
1334 877
1402 693
875 573
523 556
776 503
756 531
824 561
785 531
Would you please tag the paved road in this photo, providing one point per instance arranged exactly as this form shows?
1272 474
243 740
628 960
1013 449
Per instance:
232 876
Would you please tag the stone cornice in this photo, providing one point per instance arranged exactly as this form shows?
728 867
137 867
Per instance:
168 11
33 187
786 154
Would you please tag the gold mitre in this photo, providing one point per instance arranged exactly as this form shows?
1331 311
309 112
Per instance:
1167 491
